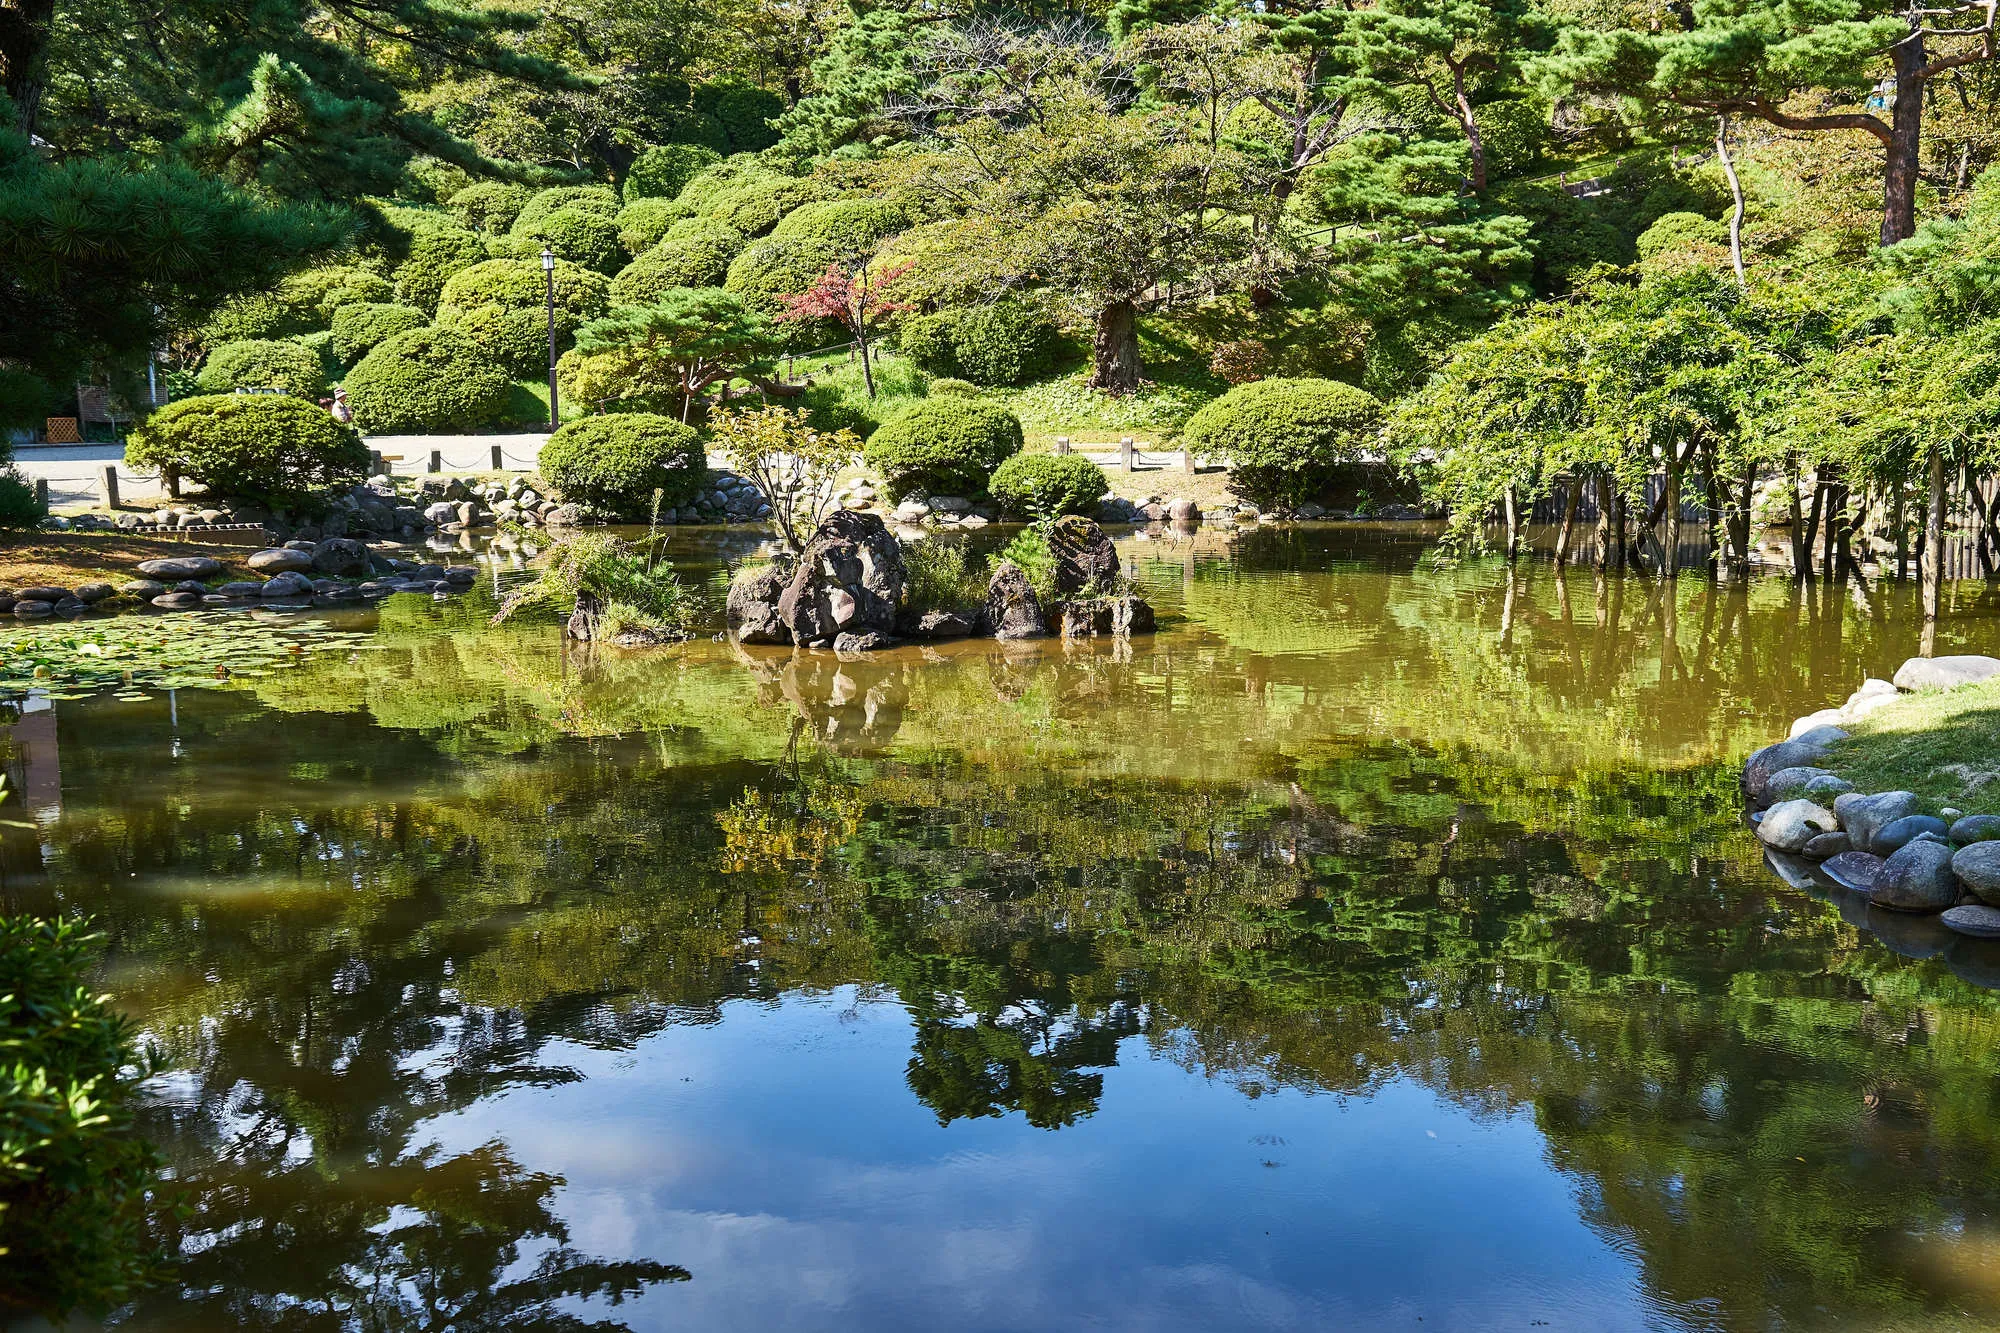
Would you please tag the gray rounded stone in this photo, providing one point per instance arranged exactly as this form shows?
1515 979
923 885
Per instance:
1790 825
1759 768
177 601
30 609
1978 869
1945 673
1787 783
1825 845
280 560
1863 816
1916 878
1821 735
1976 828
1900 832
1855 871
181 567
1827 786
144 589
1980 922
95 592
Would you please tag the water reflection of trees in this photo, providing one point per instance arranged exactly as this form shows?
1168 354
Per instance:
342 930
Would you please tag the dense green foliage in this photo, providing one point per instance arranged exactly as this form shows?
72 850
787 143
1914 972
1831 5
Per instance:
773 269
489 206
625 585
580 236
617 461
698 260
18 506
1284 438
643 223
263 364
853 226
429 379
272 448
502 304
944 446
357 329
434 258
598 200
1037 486
663 171
74 1173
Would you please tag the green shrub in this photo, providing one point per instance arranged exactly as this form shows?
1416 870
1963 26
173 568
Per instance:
427 380
634 588
435 258
663 172
943 446
1029 549
1003 343
589 239
321 291
18 506
598 199
489 206
742 111
1284 437
1035 486
758 205
946 387
258 316
358 328
927 340
855 226
74 1173
262 363
938 577
271 448
705 228
643 223
773 269
1680 231
501 305
701 260
321 346
618 460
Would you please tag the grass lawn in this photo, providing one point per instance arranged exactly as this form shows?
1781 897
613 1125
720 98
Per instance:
65 559
1943 745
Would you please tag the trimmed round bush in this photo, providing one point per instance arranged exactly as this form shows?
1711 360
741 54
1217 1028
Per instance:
1044 485
701 260
589 239
945 386
259 315
261 363
1284 437
756 206
773 269
943 446
616 462
266 447
743 112
599 199
927 340
489 206
358 328
427 380
501 304
664 171
643 223
321 346
1680 231
705 228
857 226
435 258
1003 343
325 290
18 506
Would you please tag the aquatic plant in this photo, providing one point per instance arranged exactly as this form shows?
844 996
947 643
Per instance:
622 586
939 576
133 654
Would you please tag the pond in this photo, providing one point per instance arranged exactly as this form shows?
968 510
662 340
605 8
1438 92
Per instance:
1380 945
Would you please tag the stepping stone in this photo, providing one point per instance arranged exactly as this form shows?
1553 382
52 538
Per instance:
181 567
1980 922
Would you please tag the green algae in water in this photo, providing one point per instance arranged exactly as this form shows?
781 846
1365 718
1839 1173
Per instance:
135 654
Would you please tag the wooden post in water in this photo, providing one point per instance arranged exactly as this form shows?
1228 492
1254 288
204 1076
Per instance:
107 485
374 462
1511 510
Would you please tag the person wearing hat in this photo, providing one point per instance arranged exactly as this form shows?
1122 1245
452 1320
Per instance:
341 411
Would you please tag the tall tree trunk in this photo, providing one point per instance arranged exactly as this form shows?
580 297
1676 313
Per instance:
867 370
1475 146
1798 528
1906 139
1512 510
1803 552
1618 530
1901 523
1739 525
1571 499
1603 522
1115 348
1934 538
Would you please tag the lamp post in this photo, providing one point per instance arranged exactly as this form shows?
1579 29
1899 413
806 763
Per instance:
549 277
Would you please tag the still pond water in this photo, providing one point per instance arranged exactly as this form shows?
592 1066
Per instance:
1378 946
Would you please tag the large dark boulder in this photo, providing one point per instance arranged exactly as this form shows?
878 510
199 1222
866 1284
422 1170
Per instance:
1012 609
1084 556
752 606
1916 878
849 580
340 557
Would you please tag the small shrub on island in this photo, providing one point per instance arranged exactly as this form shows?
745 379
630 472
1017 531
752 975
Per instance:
259 363
271 448
944 446
359 329
616 462
428 379
1038 486
1285 437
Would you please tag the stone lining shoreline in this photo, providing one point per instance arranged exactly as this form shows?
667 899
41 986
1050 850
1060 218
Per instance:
1883 846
